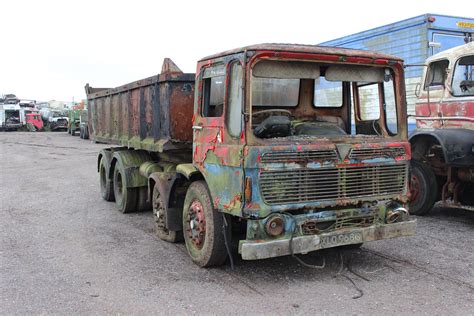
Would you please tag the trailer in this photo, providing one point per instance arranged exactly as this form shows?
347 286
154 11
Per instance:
257 148
413 40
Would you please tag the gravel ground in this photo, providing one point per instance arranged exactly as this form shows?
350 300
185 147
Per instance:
65 250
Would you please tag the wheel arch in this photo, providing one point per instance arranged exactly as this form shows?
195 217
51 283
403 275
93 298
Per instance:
426 137
130 160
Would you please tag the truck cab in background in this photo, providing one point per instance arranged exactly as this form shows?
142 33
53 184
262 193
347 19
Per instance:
34 122
73 124
443 141
83 125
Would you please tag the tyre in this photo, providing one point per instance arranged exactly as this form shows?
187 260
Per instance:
159 215
81 133
106 186
423 188
86 132
203 227
73 132
125 198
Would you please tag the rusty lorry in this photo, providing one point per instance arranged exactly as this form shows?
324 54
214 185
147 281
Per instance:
277 149
73 124
83 125
443 142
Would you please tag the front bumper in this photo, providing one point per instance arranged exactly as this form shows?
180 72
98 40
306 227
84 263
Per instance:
254 250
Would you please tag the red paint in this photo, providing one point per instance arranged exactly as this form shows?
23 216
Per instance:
463 111
233 201
35 120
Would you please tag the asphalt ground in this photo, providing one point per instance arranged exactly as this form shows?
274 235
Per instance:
64 250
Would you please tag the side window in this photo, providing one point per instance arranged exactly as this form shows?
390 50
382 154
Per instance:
369 108
436 73
463 83
213 91
234 101
327 93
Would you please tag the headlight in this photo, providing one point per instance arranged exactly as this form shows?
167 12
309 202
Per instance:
395 213
275 225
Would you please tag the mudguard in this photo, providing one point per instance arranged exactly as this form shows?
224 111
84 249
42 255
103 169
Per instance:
188 170
165 182
131 161
106 154
457 144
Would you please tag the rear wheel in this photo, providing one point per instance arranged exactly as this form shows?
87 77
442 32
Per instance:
125 197
81 133
106 186
423 188
73 132
159 215
203 227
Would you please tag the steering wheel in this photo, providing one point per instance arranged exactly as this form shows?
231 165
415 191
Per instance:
271 111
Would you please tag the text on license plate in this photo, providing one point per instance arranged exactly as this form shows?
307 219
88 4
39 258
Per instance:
341 239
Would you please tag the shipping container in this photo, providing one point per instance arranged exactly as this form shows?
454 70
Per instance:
413 40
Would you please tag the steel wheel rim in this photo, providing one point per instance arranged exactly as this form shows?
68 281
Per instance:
196 224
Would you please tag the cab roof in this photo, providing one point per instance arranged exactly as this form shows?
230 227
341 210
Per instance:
311 49
453 52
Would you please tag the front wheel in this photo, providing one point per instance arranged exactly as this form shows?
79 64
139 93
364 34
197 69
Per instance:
423 188
203 227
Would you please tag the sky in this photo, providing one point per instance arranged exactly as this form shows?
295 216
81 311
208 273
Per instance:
50 49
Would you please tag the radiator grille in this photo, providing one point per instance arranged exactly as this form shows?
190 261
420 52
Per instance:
390 152
299 156
311 185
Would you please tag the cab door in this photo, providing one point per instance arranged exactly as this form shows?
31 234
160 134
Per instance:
218 145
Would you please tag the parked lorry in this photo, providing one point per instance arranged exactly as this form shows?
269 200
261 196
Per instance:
34 122
258 147
73 121
57 119
443 142
413 40
83 125
10 119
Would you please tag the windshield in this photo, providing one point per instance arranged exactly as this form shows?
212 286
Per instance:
463 83
309 99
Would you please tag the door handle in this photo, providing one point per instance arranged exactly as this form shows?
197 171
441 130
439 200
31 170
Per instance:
197 127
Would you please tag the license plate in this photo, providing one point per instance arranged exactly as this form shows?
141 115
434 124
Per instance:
341 239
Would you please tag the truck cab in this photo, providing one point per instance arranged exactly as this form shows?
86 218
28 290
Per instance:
34 122
443 142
